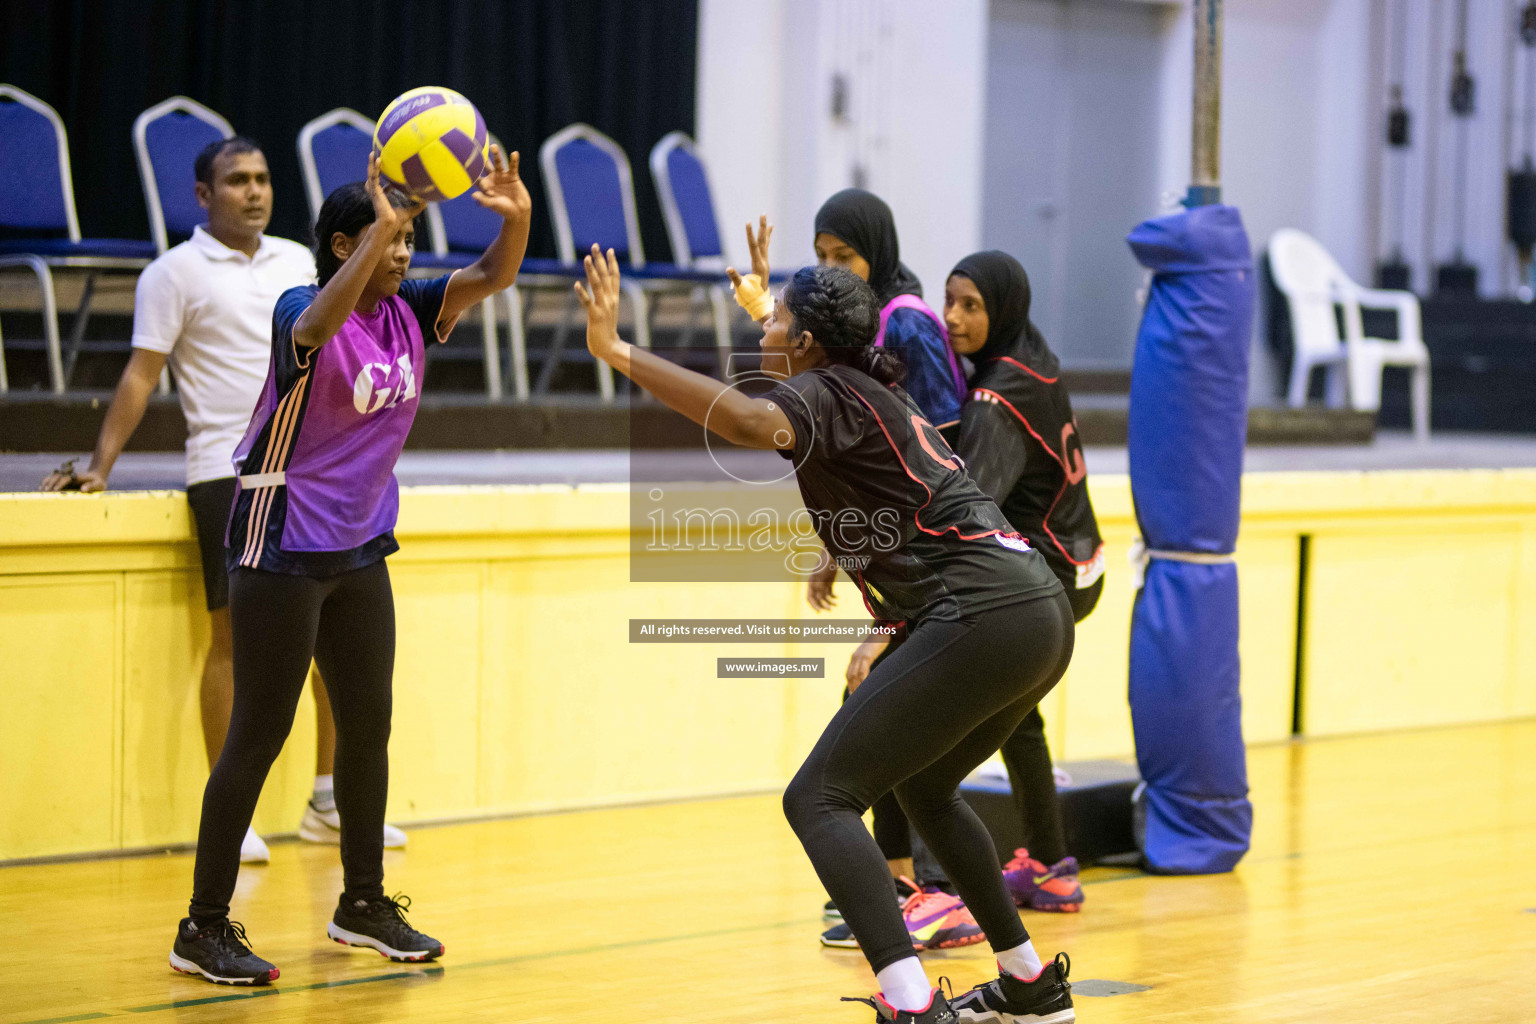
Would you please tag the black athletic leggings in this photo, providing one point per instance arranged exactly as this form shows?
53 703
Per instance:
346 623
924 718
1027 756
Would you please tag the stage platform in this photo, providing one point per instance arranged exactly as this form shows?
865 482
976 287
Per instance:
1391 450
37 422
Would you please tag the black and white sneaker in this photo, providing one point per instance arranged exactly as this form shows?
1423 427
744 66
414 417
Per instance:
938 1010
219 953
379 923
840 936
1044 999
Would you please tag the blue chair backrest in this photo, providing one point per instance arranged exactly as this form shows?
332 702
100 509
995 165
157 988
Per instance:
690 189
468 226
594 197
341 156
31 180
173 140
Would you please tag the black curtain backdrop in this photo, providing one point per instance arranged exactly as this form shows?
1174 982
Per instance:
627 67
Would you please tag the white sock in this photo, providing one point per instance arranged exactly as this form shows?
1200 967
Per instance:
325 792
1021 961
904 985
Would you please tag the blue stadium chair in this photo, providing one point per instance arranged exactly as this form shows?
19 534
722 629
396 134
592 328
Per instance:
166 139
37 198
333 150
682 188
592 200
461 229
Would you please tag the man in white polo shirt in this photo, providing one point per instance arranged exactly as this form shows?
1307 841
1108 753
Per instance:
206 308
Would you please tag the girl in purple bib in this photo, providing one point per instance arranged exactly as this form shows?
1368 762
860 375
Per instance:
313 520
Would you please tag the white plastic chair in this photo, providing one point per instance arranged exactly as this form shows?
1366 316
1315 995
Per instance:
1314 284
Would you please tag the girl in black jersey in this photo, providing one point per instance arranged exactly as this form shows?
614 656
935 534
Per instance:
1019 441
1018 436
885 489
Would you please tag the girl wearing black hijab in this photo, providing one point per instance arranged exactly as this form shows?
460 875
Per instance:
856 231
1018 436
1018 439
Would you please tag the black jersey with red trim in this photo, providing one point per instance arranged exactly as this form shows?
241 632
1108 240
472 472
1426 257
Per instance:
894 505
1019 440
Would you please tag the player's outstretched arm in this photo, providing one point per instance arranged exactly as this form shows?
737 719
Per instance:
325 316
502 192
749 422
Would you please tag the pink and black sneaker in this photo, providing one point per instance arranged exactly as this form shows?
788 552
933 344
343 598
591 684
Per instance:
1032 884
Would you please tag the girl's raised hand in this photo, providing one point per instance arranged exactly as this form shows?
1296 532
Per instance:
389 217
757 245
501 190
601 302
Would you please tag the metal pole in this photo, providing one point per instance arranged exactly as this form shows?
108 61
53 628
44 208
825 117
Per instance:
1205 171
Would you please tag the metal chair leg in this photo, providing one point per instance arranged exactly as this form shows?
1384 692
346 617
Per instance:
77 329
685 339
492 349
1301 377
556 346
642 312
50 316
721 304
517 342
1420 384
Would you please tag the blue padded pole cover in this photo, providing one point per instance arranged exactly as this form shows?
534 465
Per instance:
1188 425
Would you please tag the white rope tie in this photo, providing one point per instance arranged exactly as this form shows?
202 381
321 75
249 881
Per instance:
1141 556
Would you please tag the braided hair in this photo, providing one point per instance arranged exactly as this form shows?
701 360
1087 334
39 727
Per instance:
842 315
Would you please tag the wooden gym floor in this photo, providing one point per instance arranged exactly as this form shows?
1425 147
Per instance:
1392 877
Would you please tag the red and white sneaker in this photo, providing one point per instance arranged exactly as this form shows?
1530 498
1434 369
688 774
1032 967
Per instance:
1032 884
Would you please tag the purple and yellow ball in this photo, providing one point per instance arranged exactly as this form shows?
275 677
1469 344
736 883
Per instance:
432 143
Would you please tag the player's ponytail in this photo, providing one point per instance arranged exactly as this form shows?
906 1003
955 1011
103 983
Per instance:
840 312
347 210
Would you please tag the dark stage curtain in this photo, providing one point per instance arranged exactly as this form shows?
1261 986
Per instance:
626 67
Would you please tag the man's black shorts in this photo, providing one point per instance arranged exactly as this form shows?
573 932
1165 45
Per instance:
211 502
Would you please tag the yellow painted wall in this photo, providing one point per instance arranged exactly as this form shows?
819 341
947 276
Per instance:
516 688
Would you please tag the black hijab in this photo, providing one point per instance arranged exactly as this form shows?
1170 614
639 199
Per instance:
1004 288
863 220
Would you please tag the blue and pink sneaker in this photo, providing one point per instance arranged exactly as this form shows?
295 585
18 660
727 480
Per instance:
1032 884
